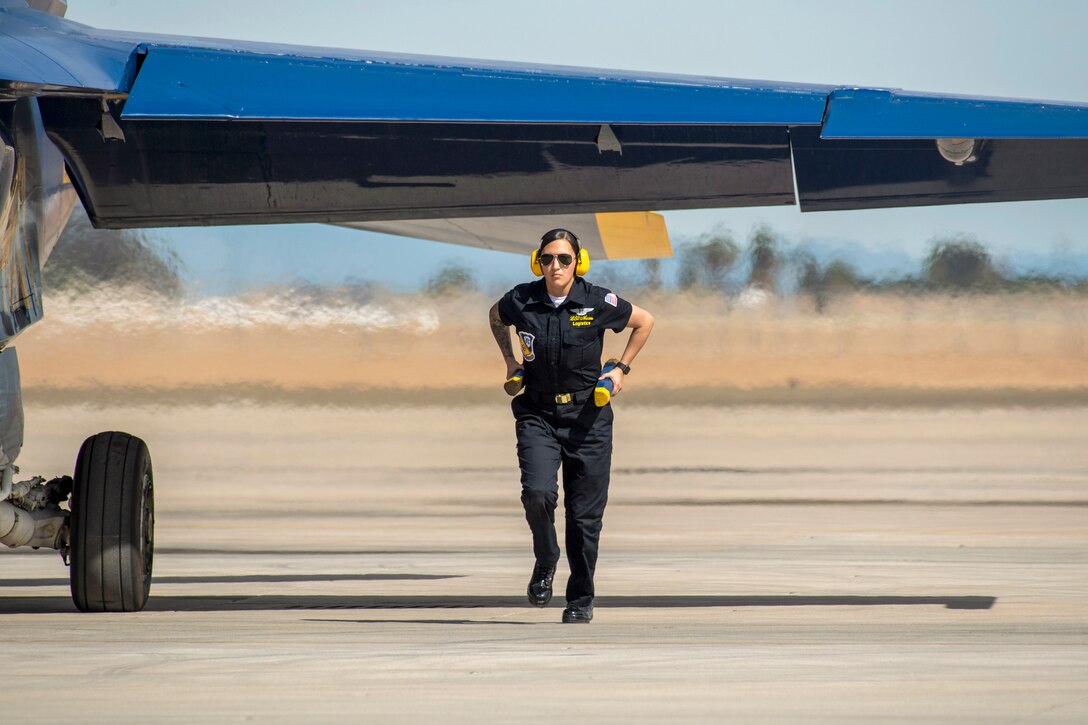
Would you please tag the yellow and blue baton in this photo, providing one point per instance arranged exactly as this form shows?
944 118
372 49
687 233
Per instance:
602 394
514 383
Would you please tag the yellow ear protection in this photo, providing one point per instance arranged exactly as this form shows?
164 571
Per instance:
579 269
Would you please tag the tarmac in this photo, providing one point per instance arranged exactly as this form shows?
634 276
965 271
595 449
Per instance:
768 565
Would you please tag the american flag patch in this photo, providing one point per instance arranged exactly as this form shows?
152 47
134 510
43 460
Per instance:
610 299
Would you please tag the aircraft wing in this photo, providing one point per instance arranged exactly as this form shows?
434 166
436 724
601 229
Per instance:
168 131
614 235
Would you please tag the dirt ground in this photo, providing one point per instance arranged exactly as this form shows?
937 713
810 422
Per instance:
999 349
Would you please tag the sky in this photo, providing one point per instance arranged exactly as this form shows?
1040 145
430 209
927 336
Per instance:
1026 50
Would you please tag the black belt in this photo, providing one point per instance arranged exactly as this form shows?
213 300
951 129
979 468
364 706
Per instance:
541 398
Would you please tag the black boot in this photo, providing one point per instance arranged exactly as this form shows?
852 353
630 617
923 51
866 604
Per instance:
578 613
540 585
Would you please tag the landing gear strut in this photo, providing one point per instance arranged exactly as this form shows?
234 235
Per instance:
107 537
112 524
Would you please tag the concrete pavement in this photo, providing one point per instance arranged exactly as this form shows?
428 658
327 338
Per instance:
761 565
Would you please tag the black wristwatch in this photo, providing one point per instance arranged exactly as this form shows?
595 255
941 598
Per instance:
626 369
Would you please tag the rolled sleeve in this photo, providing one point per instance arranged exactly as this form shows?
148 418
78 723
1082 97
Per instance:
507 309
615 312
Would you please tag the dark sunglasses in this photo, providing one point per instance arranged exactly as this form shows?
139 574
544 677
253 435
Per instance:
564 259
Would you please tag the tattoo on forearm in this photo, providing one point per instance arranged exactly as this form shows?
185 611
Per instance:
501 333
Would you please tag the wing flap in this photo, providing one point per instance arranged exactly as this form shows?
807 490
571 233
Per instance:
835 174
202 172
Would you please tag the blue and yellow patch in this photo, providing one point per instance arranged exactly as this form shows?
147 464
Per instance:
527 339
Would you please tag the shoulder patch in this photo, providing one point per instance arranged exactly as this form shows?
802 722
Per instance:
611 299
527 340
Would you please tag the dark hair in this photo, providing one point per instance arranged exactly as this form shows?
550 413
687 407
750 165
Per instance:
555 234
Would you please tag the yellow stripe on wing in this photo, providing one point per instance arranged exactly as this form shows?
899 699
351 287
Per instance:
634 235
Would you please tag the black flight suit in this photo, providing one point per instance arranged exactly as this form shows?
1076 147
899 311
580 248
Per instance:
561 348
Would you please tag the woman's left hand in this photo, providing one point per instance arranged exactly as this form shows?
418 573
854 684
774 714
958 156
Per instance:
616 376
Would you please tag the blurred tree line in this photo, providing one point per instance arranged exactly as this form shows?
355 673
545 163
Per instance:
957 264
714 262
709 262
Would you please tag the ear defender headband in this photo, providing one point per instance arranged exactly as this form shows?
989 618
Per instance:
582 256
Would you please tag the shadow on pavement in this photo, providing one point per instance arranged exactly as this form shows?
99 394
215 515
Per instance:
428 621
29 605
244 578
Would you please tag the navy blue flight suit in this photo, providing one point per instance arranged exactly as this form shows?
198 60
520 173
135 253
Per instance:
561 349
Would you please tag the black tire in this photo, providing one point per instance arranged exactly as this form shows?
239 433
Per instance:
113 524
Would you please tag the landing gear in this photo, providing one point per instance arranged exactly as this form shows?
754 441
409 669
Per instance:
112 524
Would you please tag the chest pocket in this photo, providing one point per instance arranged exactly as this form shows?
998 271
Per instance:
581 348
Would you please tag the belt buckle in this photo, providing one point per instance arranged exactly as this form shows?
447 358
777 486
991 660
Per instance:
563 398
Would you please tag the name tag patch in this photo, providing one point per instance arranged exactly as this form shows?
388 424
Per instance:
581 320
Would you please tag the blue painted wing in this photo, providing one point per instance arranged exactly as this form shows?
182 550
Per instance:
220 84
893 114
218 132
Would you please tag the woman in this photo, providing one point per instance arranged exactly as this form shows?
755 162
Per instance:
560 322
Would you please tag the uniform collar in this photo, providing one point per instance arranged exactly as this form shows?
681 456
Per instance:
578 294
